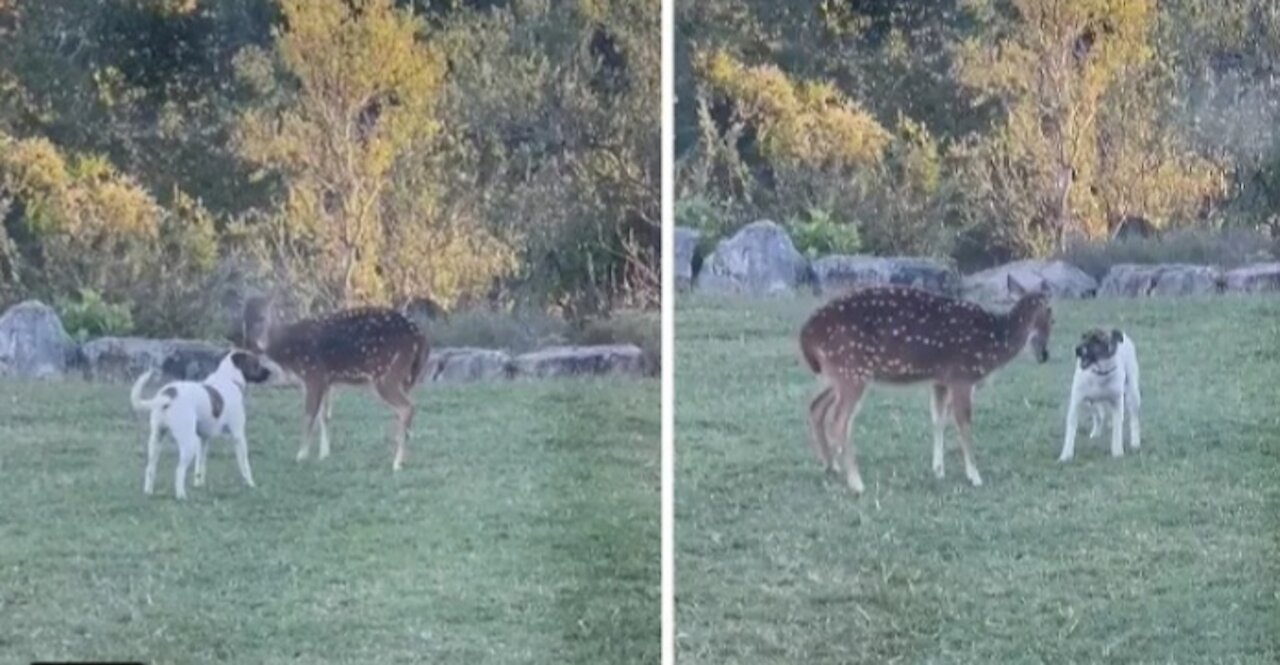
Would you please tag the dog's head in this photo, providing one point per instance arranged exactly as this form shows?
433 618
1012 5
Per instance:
249 366
1098 346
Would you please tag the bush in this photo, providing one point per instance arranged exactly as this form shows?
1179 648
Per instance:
1228 249
817 233
521 331
516 331
91 316
641 328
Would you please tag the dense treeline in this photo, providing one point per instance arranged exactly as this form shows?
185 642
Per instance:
980 129
156 155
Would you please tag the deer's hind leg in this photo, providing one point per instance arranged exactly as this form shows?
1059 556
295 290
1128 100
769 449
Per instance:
819 410
849 393
939 407
962 410
391 390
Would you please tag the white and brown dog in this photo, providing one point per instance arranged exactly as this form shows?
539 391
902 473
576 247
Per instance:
194 412
1106 379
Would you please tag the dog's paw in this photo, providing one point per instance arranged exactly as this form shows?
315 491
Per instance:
303 453
1065 457
855 485
975 478
939 471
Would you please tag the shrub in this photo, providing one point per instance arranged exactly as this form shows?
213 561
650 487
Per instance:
817 233
516 331
89 315
638 327
1227 248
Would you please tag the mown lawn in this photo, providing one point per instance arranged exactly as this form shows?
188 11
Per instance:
523 529
1169 555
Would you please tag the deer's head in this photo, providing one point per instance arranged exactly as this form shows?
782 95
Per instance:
1034 313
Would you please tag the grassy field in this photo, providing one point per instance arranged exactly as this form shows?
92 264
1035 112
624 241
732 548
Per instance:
523 529
1165 556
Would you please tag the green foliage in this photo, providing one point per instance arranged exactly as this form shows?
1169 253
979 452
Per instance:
641 328
551 111
817 233
89 315
517 331
1017 126
324 148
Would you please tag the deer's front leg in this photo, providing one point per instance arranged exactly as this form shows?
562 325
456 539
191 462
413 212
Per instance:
939 411
314 401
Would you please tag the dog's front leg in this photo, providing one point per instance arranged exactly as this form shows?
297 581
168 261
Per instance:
1096 413
1073 421
1132 405
1117 427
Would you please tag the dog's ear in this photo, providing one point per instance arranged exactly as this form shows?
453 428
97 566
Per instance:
1080 351
1117 336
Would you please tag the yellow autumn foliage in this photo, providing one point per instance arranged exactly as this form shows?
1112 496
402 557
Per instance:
805 124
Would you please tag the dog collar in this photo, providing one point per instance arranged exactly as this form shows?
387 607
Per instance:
1106 373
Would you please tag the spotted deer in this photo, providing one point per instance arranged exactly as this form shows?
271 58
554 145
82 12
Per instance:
900 335
370 346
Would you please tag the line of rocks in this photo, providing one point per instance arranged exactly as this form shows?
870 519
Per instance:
761 260
33 344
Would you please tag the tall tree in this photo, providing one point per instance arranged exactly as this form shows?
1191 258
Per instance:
357 92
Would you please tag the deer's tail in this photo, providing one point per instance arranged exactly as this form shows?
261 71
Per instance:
810 354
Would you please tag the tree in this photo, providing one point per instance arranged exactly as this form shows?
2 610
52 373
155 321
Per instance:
350 96
1074 152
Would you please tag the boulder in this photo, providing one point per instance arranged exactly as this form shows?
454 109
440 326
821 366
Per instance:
1255 278
33 343
563 361
465 364
686 249
1063 279
123 359
1133 280
838 273
759 259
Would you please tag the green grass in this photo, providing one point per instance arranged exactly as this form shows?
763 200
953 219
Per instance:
1168 555
523 529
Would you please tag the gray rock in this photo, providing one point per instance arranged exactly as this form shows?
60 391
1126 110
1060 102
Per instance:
123 359
562 361
1256 278
465 364
839 273
1133 280
759 259
686 249
1063 279
33 343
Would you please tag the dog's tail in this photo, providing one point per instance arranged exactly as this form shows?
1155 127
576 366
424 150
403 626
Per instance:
135 395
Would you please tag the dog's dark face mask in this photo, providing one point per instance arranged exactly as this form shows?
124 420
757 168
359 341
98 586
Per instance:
249 367
1097 346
